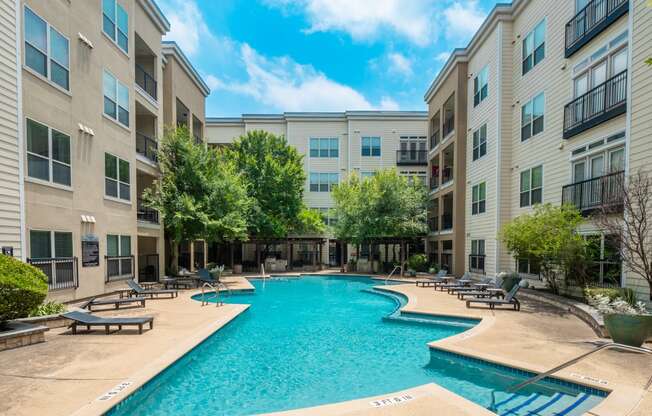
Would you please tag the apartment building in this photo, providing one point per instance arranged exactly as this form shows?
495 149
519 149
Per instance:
547 98
447 106
96 79
333 145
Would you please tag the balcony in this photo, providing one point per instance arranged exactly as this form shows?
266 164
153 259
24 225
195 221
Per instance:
447 222
591 21
476 263
146 82
412 157
146 214
433 224
119 268
449 126
434 139
602 103
146 146
61 271
595 194
434 183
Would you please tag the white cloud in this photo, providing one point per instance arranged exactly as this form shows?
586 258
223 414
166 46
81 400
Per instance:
187 25
285 85
463 20
443 57
368 19
400 64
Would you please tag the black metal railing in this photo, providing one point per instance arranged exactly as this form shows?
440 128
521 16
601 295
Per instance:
433 224
146 146
146 214
446 174
434 182
148 270
434 139
595 17
411 157
61 271
119 268
596 193
476 263
145 81
596 106
447 221
449 125
198 140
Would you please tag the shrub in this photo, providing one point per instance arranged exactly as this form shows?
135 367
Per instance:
625 293
418 262
48 308
23 287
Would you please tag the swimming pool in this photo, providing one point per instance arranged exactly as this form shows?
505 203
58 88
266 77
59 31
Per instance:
317 340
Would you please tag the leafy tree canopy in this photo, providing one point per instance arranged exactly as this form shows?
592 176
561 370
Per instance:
384 205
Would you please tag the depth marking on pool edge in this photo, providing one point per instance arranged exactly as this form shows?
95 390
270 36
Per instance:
589 378
115 391
390 401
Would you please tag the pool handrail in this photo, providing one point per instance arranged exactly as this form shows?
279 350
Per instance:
392 273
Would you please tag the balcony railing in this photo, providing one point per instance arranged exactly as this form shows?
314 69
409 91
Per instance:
119 268
476 263
596 193
434 182
146 214
446 175
595 17
148 268
449 125
434 139
61 271
146 146
411 157
598 105
433 224
198 140
447 222
146 81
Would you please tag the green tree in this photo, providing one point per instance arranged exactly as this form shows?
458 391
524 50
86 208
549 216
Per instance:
273 172
199 194
548 237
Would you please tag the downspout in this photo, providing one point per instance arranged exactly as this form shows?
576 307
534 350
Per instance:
499 130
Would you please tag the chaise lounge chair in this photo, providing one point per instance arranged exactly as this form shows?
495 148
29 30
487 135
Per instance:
138 290
433 281
510 299
116 302
88 320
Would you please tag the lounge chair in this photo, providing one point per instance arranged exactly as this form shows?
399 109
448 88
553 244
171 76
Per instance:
88 320
138 290
510 299
116 302
434 280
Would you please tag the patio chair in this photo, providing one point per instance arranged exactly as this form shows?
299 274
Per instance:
138 290
89 320
510 299
434 280
116 302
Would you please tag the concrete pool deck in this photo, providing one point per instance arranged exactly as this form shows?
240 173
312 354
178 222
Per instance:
68 374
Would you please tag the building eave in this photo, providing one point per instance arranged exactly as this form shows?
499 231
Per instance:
157 16
170 48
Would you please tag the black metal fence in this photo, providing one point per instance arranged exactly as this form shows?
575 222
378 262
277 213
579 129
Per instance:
591 20
61 271
145 81
146 146
596 193
146 214
119 268
148 270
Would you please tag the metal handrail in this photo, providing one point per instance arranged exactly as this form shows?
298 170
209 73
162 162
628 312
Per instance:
214 289
392 273
568 363
588 18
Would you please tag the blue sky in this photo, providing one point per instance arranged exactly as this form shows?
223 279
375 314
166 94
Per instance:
270 56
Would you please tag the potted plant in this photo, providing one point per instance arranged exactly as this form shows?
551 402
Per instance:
628 323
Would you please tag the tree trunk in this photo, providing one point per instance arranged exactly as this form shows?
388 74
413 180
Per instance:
174 256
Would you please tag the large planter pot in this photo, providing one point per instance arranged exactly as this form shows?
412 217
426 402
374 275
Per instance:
629 329
237 269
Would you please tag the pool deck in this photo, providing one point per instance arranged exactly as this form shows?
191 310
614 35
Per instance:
68 374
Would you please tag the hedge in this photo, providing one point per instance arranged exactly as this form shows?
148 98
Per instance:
23 287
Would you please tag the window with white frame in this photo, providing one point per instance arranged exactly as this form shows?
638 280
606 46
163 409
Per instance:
532 117
48 154
412 175
480 142
477 257
115 23
604 65
47 51
371 146
534 47
532 186
481 86
479 198
324 147
116 99
119 262
598 163
116 177
323 182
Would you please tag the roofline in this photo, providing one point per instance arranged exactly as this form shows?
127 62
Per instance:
157 16
316 115
463 54
170 47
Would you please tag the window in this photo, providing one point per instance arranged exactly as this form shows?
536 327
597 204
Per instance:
532 114
116 177
528 266
118 252
116 99
479 197
327 215
481 86
49 244
534 47
48 154
115 23
46 50
364 175
476 259
480 142
531 186
323 182
371 146
328 147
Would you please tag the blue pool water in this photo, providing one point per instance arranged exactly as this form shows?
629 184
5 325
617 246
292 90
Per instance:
316 340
